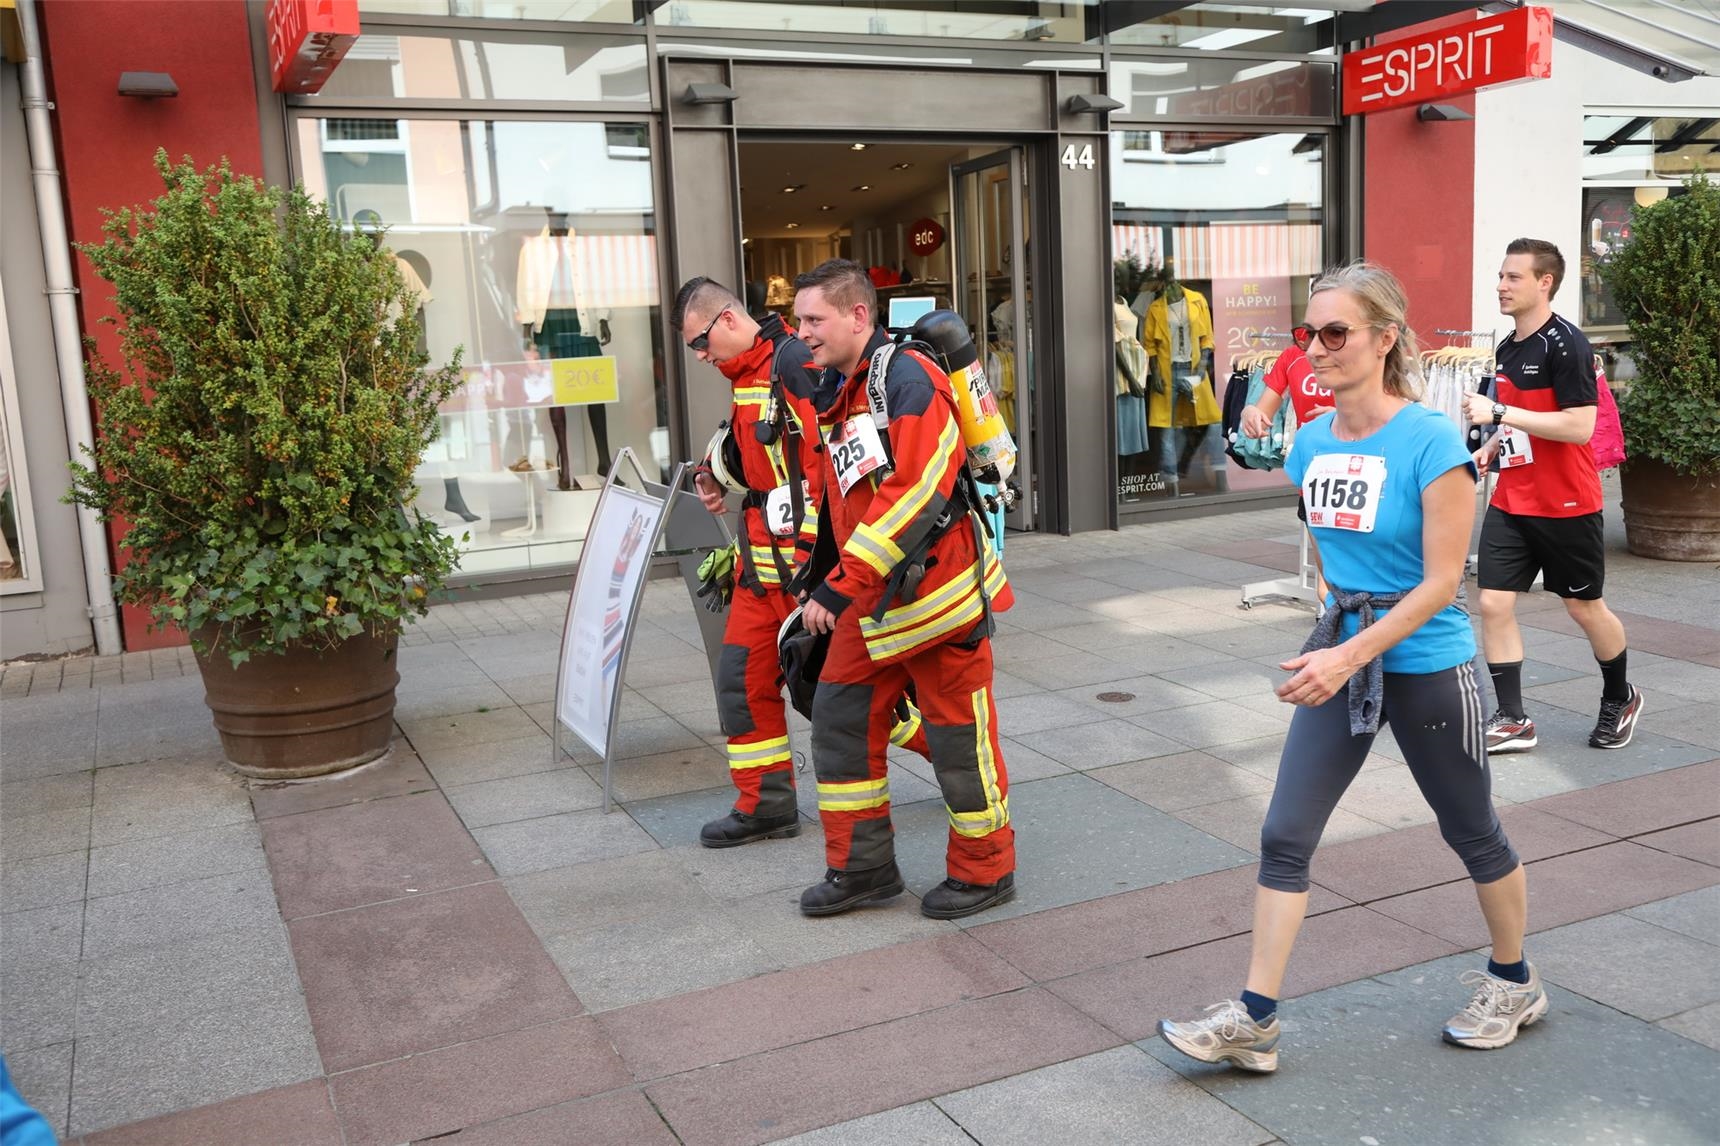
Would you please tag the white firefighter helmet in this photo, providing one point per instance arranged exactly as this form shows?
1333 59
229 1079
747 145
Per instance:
724 460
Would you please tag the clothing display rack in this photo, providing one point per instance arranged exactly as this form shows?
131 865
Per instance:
1452 375
1305 585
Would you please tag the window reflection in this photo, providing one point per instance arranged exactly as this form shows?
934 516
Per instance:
533 247
1211 270
496 65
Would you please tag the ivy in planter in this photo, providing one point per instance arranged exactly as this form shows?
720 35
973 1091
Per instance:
259 438
1666 280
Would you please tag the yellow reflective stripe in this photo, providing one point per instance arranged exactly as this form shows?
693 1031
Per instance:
917 612
853 796
881 642
874 548
751 393
905 729
974 825
919 495
759 753
996 804
764 564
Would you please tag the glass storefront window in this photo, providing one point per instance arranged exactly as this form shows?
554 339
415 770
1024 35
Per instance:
20 570
1196 88
494 65
1632 160
1217 27
533 247
588 11
1065 23
1211 263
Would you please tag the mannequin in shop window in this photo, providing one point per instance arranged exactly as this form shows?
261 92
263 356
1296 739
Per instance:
1182 410
1134 462
415 271
548 291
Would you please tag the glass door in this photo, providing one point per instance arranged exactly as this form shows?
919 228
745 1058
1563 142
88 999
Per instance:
992 291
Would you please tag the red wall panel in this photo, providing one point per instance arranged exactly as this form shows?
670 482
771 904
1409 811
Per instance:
107 141
1419 205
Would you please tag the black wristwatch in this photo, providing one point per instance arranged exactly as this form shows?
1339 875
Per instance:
1498 413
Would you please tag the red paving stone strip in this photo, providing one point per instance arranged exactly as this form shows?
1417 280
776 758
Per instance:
1379 867
428 971
626 1119
1564 889
1643 803
1669 638
1068 940
1335 948
400 773
337 858
735 1020
803 1087
297 1115
1699 841
475 1082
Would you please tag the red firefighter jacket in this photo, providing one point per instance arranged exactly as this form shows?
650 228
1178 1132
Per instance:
765 467
886 517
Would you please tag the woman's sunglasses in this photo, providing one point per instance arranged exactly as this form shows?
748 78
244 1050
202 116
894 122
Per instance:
703 339
1332 336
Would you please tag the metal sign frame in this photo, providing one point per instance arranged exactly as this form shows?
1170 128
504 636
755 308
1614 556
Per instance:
628 621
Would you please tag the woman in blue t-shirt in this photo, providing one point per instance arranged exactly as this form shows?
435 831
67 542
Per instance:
1389 492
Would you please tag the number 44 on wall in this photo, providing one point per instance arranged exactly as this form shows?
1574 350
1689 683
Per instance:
1072 159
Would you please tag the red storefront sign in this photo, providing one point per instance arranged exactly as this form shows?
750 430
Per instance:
307 38
1503 49
925 237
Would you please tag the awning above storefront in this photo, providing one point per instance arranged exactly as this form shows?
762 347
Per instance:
1672 39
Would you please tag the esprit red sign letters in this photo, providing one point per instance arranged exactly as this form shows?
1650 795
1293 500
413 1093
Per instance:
307 38
1503 49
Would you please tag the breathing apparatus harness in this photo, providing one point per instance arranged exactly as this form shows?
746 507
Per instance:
942 337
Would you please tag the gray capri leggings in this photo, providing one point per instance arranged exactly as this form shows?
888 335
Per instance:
1437 719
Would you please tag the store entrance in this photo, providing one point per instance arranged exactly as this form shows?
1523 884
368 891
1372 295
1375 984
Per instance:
938 225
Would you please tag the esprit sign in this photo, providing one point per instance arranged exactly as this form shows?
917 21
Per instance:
1503 49
307 38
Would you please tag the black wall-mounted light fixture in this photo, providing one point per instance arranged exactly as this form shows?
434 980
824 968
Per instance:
711 93
1085 104
147 85
1441 113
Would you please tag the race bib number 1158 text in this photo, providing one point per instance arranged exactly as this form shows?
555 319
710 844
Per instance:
1342 491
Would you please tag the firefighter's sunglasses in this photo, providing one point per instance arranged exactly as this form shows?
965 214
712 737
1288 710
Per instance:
701 341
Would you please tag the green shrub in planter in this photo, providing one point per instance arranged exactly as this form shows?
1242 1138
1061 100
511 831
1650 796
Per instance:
1666 280
259 440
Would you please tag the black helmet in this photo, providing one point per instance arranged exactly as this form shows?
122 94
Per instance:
800 654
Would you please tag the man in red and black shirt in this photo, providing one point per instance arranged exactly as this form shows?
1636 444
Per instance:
1546 512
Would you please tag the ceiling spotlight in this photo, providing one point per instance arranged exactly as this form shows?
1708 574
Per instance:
828 207
793 187
791 226
857 147
900 166
863 187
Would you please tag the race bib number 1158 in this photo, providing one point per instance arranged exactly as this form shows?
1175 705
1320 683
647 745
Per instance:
1342 491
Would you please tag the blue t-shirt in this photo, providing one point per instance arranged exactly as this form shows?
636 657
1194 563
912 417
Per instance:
1417 446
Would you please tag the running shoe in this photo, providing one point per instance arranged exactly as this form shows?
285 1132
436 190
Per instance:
1497 1010
1510 734
1226 1034
1618 721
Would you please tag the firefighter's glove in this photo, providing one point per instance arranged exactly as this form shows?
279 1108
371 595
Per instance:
717 578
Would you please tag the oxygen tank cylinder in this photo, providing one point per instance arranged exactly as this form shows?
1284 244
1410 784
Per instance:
990 448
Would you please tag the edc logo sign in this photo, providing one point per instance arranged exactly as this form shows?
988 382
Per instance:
1503 49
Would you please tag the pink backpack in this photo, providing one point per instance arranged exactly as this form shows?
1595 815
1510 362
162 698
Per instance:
1607 444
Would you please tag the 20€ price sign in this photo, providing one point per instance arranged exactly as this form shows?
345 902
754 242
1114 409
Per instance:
585 381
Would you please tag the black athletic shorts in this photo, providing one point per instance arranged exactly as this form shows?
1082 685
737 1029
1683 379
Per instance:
1568 552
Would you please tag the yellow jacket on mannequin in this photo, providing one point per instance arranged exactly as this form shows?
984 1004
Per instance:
1156 338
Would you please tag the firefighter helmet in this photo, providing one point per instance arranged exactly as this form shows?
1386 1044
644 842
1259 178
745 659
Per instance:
723 456
800 654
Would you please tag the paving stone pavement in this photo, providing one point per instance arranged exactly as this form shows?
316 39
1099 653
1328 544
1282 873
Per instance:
458 943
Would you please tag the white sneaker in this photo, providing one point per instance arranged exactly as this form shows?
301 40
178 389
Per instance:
1226 1034
1497 1011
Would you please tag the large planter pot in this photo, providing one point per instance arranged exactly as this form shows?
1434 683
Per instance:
306 712
1668 515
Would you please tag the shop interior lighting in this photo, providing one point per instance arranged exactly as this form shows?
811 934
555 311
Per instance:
900 166
828 207
791 226
793 187
1441 112
147 85
857 146
862 187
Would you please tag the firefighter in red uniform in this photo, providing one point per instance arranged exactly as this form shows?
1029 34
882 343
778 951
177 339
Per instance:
909 602
767 454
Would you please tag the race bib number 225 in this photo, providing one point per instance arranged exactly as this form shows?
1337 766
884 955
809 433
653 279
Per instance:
1342 491
855 450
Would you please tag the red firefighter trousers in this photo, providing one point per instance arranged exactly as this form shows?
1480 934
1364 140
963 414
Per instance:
853 714
750 703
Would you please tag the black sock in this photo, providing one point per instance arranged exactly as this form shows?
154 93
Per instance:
1260 1008
1508 687
1614 686
1517 972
